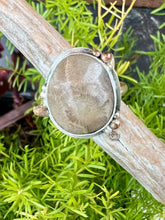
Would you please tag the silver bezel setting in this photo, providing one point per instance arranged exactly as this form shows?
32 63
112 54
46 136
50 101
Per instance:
113 79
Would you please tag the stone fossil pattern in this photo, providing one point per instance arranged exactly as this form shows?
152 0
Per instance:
80 94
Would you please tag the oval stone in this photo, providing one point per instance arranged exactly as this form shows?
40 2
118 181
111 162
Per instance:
80 95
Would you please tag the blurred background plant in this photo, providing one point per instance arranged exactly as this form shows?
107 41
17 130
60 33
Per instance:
45 174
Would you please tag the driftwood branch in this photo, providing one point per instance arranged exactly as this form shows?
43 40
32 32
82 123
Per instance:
14 115
139 151
31 34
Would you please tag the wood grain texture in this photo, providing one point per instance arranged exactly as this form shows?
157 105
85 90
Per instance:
138 3
139 151
31 34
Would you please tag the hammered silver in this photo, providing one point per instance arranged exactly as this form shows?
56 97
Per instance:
80 94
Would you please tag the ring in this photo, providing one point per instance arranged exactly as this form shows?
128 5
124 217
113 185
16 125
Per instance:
83 93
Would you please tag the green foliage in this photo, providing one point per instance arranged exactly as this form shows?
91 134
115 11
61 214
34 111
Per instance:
147 98
158 59
45 174
58 177
74 20
160 11
128 45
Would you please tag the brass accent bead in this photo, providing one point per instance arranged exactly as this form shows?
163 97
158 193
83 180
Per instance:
115 124
96 53
41 111
108 58
117 115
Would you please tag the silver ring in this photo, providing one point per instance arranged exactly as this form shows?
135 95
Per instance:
82 93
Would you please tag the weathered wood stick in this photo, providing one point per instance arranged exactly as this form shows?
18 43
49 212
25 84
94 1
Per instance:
138 150
31 34
14 115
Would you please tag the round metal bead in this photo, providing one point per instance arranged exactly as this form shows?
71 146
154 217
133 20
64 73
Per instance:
115 124
96 53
